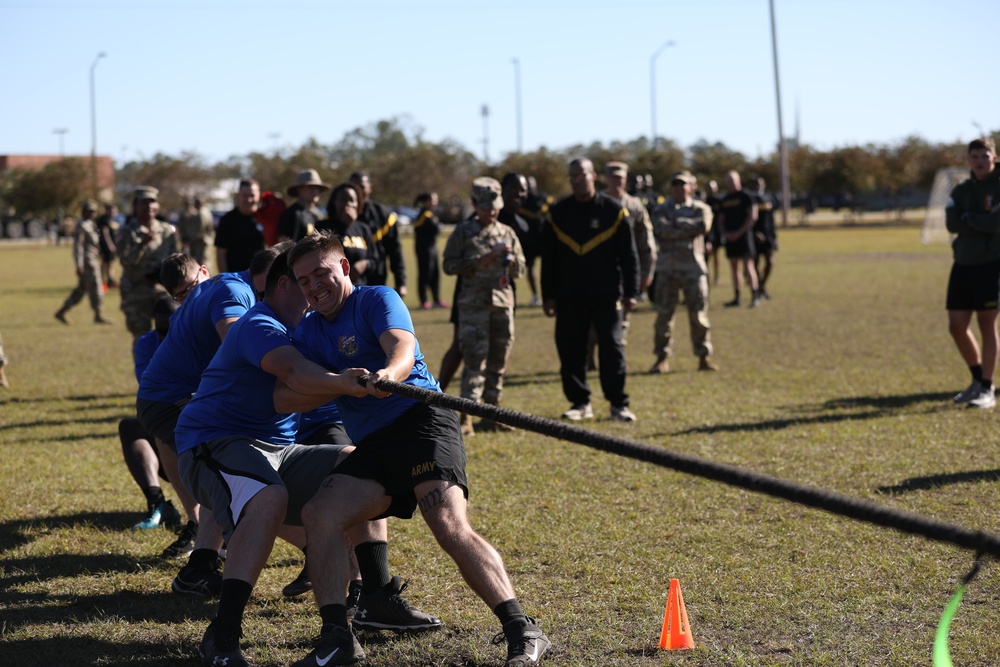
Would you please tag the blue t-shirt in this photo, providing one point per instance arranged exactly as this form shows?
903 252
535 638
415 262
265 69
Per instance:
236 396
176 368
351 341
143 351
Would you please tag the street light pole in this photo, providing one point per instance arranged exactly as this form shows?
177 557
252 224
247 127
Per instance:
786 190
93 125
61 131
652 88
517 100
486 134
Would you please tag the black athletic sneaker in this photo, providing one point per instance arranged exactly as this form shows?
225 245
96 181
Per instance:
184 544
387 609
336 646
353 595
525 644
301 584
221 651
202 580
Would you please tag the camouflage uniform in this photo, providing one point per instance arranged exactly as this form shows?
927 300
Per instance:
197 233
485 304
87 260
141 260
680 231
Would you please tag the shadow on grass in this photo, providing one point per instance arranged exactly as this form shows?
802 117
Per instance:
879 406
86 650
937 481
81 398
520 379
13 534
61 422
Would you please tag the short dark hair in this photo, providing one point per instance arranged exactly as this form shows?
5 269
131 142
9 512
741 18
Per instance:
245 182
321 241
358 176
175 270
982 143
261 261
421 198
336 192
278 268
162 310
509 178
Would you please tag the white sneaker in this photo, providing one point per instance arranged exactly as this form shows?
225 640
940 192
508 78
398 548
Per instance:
968 393
578 412
622 414
984 398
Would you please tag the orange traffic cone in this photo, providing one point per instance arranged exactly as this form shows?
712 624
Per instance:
676 633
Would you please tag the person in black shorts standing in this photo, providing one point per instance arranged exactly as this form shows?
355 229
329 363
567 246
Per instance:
973 215
739 213
714 240
765 236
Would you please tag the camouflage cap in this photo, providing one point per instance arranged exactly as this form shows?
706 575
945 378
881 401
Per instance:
683 176
146 192
616 169
486 193
89 205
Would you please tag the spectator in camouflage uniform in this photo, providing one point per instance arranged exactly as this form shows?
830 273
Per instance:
197 231
680 225
143 245
487 255
87 259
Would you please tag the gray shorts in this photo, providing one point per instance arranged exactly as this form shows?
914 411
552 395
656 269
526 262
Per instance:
224 474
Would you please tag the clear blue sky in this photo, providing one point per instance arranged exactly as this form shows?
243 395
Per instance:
220 77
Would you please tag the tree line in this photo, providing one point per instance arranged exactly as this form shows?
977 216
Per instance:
402 164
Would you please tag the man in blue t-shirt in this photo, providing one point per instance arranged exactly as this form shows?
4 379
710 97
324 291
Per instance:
210 306
238 456
408 453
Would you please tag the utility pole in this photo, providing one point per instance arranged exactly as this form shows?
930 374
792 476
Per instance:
61 131
517 101
93 125
786 190
486 134
652 89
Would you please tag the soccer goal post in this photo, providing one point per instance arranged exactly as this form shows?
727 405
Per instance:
934 230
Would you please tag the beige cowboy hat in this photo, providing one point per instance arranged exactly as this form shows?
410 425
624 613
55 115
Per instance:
307 177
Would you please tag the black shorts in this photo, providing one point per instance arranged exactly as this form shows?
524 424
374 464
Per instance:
326 434
974 287
425 443
160 418
741 248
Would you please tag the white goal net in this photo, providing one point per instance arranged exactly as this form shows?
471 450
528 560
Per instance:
934 230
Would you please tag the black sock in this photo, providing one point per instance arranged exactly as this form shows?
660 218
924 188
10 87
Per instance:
510 614
334 614
373 561
232 601
154 496
977 372
986 384
203 557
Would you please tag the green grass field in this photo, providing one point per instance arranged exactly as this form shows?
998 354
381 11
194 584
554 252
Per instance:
843 381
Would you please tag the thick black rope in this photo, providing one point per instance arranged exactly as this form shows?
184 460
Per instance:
836 503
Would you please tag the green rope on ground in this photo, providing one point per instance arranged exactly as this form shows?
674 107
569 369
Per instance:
942 657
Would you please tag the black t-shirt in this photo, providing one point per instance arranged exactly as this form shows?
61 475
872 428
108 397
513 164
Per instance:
241 236
735 208
765 215
356 239
296 222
